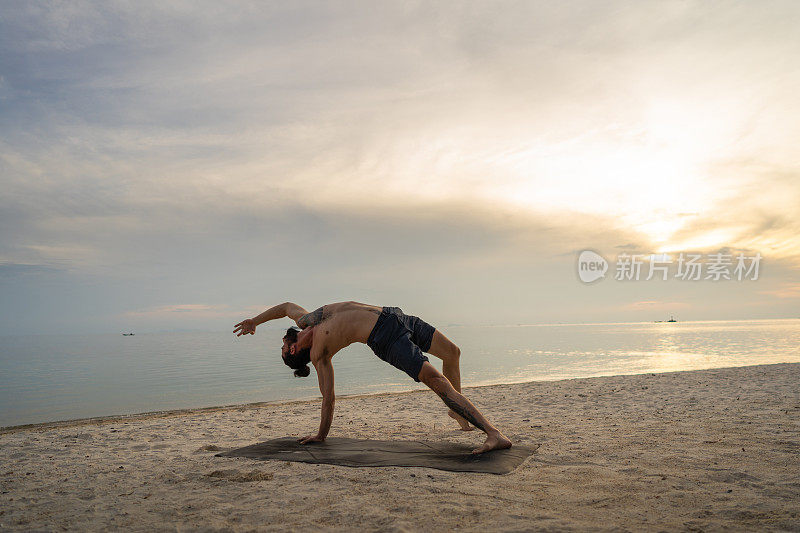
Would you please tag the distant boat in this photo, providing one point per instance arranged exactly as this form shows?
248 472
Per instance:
671 319
129 334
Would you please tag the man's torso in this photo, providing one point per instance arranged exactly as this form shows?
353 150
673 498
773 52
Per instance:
339 325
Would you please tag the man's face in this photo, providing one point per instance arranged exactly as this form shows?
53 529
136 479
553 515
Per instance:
287 348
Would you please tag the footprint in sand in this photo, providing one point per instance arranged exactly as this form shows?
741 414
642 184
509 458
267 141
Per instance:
241 477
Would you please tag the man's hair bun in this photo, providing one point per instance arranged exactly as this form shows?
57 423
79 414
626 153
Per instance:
302 372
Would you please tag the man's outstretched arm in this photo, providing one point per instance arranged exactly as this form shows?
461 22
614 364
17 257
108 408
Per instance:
293 311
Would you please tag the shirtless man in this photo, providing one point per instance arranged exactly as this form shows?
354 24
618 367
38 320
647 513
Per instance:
395 337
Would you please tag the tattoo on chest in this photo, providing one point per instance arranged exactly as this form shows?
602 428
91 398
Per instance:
310 319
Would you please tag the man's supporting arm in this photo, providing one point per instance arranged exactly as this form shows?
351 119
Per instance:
325 376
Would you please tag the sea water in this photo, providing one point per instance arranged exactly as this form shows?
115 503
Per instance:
47 377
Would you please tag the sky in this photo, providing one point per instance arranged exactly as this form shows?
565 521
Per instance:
184 165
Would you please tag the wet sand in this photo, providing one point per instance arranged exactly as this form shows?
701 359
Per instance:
700 450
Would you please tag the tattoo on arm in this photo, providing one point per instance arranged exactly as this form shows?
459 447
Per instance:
463 411
310 319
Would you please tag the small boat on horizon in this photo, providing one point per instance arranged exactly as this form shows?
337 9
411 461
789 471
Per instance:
128 334
671 319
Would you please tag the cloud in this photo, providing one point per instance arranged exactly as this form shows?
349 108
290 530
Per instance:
177 152
166 311
13 270
754 213
661 305
789 290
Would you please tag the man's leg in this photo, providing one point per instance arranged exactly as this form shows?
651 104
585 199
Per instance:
450 355
463 407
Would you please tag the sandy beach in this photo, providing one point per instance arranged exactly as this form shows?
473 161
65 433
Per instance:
702 450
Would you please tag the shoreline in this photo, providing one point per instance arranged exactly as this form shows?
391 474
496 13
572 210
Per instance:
146 415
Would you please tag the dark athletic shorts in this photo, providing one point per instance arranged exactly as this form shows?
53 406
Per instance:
400 339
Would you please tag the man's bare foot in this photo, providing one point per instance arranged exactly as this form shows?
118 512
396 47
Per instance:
461 422
495 441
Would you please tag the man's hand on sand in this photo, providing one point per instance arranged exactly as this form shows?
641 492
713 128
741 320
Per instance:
244 327
311 438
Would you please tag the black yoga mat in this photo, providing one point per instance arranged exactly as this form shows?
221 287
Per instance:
354 452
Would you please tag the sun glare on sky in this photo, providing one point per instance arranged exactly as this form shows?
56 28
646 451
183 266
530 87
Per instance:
646 174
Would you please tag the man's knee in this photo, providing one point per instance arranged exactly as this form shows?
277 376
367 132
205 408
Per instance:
452 353
456 353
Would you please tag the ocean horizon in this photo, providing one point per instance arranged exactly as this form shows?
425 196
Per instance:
48 378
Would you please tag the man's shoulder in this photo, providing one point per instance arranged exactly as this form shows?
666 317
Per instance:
321 347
